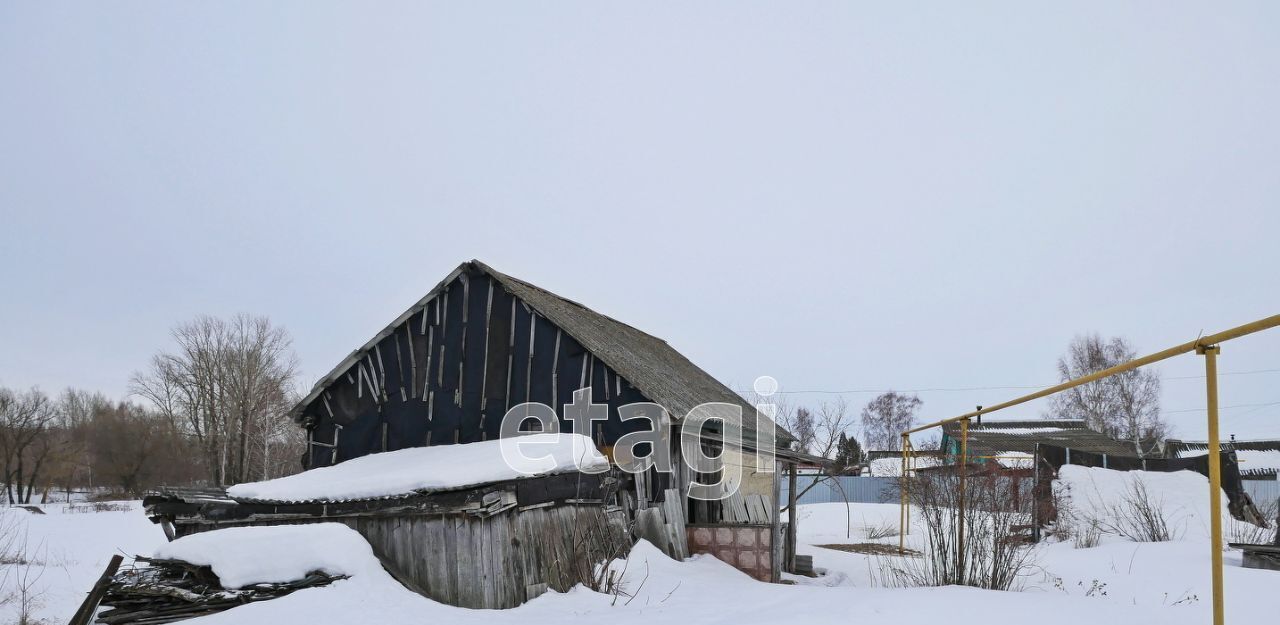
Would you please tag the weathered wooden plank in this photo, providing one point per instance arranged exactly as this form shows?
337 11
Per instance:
436 578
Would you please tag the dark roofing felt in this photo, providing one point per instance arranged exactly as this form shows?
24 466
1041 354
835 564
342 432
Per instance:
647 362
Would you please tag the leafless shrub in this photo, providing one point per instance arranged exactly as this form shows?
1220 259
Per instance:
1062 526
598 540
19 571
96 506
597 544
1248 533
993 553
1138 516
1084 533
26 591
1087 536
885 529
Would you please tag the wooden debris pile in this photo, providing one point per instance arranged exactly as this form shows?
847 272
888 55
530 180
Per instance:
155 591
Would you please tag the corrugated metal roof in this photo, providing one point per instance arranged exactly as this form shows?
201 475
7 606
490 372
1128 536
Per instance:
994 438
1257 457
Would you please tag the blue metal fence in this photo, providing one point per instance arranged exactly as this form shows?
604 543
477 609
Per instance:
859 489
884 490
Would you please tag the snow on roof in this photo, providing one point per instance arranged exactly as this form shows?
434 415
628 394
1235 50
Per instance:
1035 430
1258 461
425 469
243 556
1015 459
1256 456
892 467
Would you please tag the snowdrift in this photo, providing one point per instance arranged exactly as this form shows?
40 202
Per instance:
243 556
1093 494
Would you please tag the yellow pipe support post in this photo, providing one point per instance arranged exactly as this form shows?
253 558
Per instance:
902 498
911 471
1210 353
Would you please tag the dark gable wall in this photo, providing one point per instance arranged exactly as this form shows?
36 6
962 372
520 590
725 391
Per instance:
442 377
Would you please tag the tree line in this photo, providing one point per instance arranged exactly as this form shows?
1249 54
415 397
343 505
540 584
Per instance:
1125 406
212 411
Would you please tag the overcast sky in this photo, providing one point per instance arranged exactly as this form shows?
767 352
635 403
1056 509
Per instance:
843 195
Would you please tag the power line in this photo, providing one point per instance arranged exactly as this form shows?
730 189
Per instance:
1274 403
1201 377
990 388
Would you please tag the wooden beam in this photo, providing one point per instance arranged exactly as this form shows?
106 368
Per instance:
90 606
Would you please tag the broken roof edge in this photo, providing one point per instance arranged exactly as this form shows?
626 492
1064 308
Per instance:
355 355
1225 442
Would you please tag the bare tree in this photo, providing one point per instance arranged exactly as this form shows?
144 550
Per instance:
71 466
227 386
827 430
817 430
1125 406
133 449
886 417
801 424
833 421
26 421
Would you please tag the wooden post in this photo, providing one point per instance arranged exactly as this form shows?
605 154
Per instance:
90 606
790 556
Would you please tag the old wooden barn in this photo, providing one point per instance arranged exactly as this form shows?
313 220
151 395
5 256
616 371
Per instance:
444 373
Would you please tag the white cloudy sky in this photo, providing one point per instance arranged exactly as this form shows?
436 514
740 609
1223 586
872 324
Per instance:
844 195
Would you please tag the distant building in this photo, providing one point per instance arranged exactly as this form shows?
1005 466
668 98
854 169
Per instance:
1011 443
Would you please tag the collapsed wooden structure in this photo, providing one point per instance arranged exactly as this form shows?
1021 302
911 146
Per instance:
1259 459
491 546
445 372
166 591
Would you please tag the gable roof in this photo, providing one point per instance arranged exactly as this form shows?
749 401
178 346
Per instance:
647 362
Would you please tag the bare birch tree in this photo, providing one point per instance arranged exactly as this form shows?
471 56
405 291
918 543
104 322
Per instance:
1125 406
886 417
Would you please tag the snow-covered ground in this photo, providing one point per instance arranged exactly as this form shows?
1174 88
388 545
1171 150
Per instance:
1136 582
66 550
